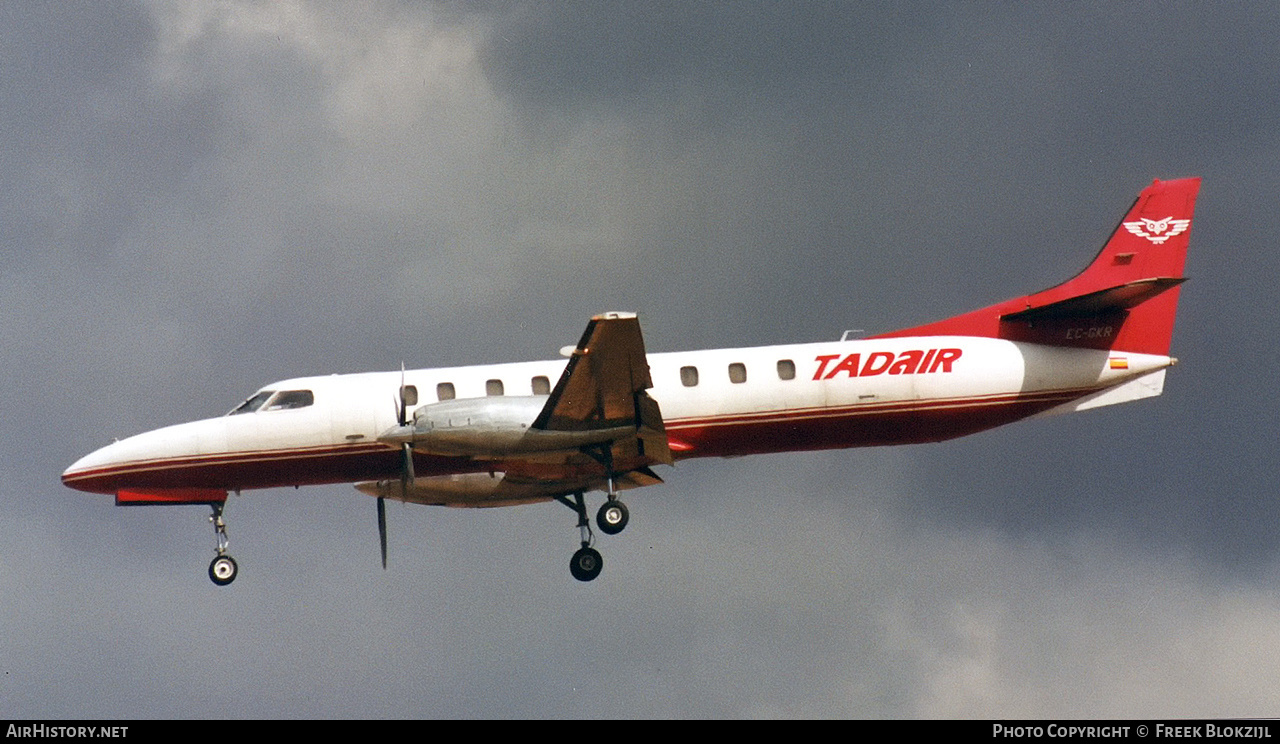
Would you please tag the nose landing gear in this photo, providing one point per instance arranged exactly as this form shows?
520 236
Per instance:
223 569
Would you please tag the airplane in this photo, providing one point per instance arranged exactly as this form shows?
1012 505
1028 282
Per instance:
604 417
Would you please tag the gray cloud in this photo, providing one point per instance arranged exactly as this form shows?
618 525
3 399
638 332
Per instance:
202 198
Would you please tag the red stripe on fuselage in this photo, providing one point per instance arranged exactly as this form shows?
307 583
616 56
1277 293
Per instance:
235 471
863 425
860 425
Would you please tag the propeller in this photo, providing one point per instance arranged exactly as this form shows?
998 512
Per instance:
406 467
382 529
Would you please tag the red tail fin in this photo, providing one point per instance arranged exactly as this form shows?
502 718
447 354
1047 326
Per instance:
1126 299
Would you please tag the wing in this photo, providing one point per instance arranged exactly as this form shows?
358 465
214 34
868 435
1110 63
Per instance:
603 387
598 425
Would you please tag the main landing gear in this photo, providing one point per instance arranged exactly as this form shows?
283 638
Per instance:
223 569
612 518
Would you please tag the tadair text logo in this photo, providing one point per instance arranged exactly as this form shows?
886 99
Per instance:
915 361
1157 231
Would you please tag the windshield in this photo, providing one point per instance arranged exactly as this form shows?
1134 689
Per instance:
271 400
289 399
253 404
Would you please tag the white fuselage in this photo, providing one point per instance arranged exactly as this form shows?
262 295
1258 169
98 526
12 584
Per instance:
719 402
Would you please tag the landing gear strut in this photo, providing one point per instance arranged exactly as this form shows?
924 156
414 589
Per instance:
612 519
586 562
223 569
613 516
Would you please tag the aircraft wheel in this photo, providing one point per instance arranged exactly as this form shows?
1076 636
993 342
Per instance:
612 517
223 570
586 564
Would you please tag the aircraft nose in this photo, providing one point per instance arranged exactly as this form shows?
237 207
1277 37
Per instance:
139 461
89 473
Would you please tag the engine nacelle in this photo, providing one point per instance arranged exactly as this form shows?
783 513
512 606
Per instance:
467 490
487 428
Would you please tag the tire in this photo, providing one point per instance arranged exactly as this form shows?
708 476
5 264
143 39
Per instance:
223 570
586 564
613 517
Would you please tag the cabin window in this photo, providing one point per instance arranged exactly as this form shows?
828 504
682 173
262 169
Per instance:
737 373
288 399
444 391
541 385
689 376
493 387
786 369
409 395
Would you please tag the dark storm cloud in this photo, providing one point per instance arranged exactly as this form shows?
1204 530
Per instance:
558 54
889 127
201 198
1096 71
61 140
903 124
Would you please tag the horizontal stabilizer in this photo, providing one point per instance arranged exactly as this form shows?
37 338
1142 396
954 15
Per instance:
1103 302
1147 386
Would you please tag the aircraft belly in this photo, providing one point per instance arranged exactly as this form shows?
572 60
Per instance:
866 425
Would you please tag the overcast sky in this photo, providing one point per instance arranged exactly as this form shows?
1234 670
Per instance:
202 197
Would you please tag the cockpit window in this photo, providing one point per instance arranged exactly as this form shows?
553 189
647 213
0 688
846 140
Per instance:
254 403
272 400
286 399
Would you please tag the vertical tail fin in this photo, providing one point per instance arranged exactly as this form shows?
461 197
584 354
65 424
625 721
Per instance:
1125 299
